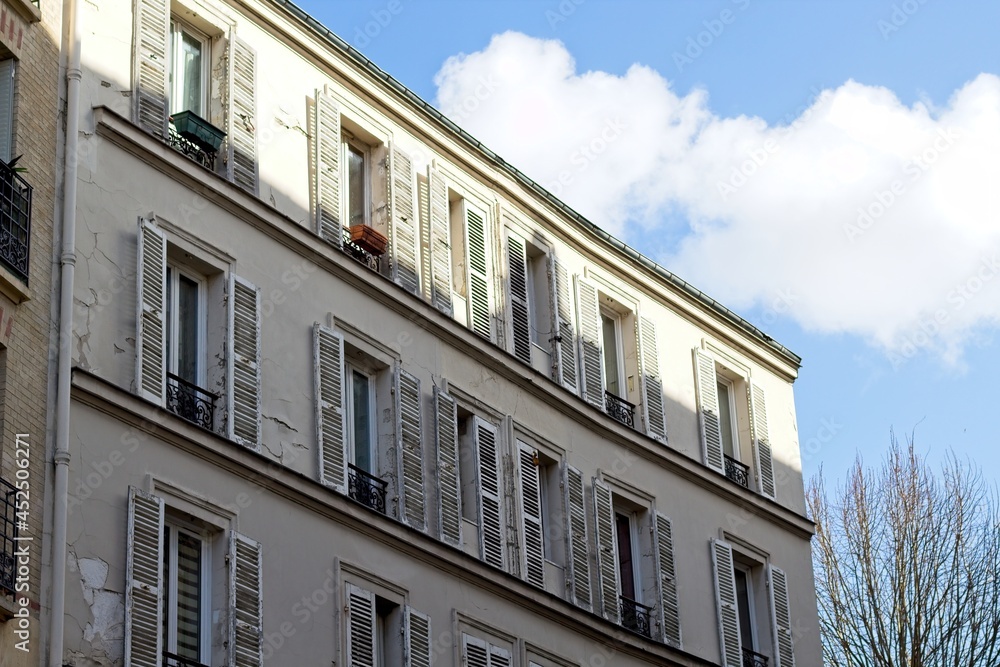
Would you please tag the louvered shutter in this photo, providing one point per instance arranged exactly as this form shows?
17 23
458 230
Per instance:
652 385
578 569
424 242
708 411
328 362
417 642
144 580
440 228
411 451
479 282
591 353
404 221
667 580
761 440
475 652
491 532
326 153
151 66
246 639
607 560
446 430
243 358
517 286
533 560
781 618
151 314
7 69
242 115
725 602
564 342
361 631
499 657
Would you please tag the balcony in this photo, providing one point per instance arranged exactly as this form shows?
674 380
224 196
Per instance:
191 402
738 472
8 536
752 659
366 488
195 137
15 220
619 409
635 616
357 247
174 660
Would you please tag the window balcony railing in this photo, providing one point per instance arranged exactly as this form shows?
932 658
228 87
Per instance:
737 472
619 409
635 616
8 536
191 402
15 220
752 659
370 259
174 660
193 136
366 488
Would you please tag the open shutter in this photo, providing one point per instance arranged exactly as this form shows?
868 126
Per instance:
652 385
479 280
7 68
667 581
144 580
708 411
151 317
440 241
245 602
781 618
150 65
475 652
417 640
491 532
564 333
591 354
499 657
578 572
725 602
328 361
404 221
533 562
761 441
243 358
361 631
241 132
517 287
450 508
411 451
607 561
326 153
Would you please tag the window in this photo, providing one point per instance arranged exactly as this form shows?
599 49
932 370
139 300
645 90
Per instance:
361 419
528 292
185 325
189 69
542 529
727 418
745 607
381 630
187 587
477 652
611 332
357 177
470 274
481 484
8 69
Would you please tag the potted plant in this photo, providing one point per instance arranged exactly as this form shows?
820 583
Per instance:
368 239
197 130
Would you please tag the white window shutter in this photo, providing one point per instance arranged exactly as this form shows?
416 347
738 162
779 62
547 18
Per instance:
607 557
446 434
725 602
491 530
475 652
403 226
708 411
652 384
591 353
533 559
361 630
246 639
411 451
326 156
781 618
241 122
761 441
578 564
417 641
667 581
7 69
517 289
480 313
151 65
563 329
144 580
440 229
328 361
499 657
243 360
151 313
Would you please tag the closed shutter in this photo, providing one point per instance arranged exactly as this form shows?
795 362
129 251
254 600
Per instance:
499 657
781 618
326 153
517 286
245 602
652 384
144 580
564 343
417 640
242 132
533 563
151 66
578 569
479 282
607 561
475 652
328 361
361 632
151 315
403 221
488 467
411 451
243 358
725 602
446 430
591 354
7 68
708 411
667 580
761 440
440 228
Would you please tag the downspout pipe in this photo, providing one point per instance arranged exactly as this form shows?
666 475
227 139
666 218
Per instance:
67 276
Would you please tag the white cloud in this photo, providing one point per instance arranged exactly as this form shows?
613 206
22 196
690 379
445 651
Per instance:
882 220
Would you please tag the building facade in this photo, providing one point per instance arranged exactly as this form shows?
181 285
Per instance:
354 391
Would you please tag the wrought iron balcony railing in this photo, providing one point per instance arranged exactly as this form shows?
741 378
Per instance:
366 488
619 409
174 660
8 536
752 659
15 220
737 472
635 616
199 154
372 261
191 402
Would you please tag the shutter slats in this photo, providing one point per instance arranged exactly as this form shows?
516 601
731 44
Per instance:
446 418
475 652
564 347
440 242
761 440
244 363
144 580
725 597
517 278
479 281
404 221
652 384
361 631
242 134
328 356
607 562
411 449
246 638
708 411
669 605
491 521
417 642
579 563
591 355
499 657
151 320
533 568
781 618
151 65
326 149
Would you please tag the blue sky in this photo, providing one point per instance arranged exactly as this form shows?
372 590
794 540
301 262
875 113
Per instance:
894 314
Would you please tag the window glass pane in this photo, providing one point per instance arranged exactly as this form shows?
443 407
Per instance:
743 608
626 570
170 319
611 355
187 329
355 186
362 421
191 71
188 596
726 419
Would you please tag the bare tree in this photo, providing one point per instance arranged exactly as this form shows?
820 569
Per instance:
907 565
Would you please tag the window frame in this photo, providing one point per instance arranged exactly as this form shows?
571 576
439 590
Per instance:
633 539
616 318
174 270
746 571
734 430
172 526
348 142
350 368
178 27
